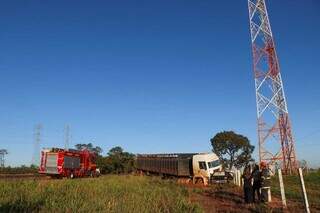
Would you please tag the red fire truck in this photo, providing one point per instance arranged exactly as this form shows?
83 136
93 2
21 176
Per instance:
69 163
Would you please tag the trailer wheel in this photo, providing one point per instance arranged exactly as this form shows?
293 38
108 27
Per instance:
199 181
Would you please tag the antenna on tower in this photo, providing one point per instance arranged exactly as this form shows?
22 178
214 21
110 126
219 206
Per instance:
66 137
37 140
3 152
276 144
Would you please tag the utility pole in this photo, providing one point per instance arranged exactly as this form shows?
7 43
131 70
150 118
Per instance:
66 137
3 152
37 142
276 143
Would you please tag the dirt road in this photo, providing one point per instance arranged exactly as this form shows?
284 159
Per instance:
229 198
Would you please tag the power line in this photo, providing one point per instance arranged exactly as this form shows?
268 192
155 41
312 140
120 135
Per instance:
309 135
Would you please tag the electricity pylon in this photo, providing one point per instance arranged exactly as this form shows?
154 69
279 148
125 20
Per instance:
66 137
37 142
3 152
276 143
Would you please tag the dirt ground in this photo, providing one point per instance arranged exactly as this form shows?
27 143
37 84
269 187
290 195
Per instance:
229 198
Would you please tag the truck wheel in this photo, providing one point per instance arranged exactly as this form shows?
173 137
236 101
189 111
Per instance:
71 175
140 173
199 181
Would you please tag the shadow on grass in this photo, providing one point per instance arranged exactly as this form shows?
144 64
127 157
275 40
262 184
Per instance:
21 207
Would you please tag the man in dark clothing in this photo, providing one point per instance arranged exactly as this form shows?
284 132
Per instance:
247 185
256 175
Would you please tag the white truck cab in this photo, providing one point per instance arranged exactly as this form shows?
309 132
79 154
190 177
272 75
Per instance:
204 166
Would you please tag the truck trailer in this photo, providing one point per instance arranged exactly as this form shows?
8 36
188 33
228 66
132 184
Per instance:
203 168
56 162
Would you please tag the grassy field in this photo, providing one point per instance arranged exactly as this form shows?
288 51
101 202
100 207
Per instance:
293 189
145 194
104 194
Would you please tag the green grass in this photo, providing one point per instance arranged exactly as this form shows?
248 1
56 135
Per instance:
104 194
293 188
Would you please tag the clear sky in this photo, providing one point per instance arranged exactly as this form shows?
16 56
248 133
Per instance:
151 76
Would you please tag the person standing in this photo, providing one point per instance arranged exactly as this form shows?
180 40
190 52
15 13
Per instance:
256 175
265 183
247 185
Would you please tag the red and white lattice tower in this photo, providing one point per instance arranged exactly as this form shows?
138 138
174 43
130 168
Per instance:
276 144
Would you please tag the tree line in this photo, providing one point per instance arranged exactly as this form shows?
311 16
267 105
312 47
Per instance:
117 161
19 170
234 151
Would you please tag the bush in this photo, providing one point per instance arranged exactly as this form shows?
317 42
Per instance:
19 170
293 188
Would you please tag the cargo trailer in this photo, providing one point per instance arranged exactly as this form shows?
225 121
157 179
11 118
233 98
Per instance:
202 168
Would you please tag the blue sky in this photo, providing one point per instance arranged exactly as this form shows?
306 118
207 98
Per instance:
150 76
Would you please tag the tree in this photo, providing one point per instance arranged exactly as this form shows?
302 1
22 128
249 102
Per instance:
90 147
115 151
234 150
303 164
117 161
4 151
